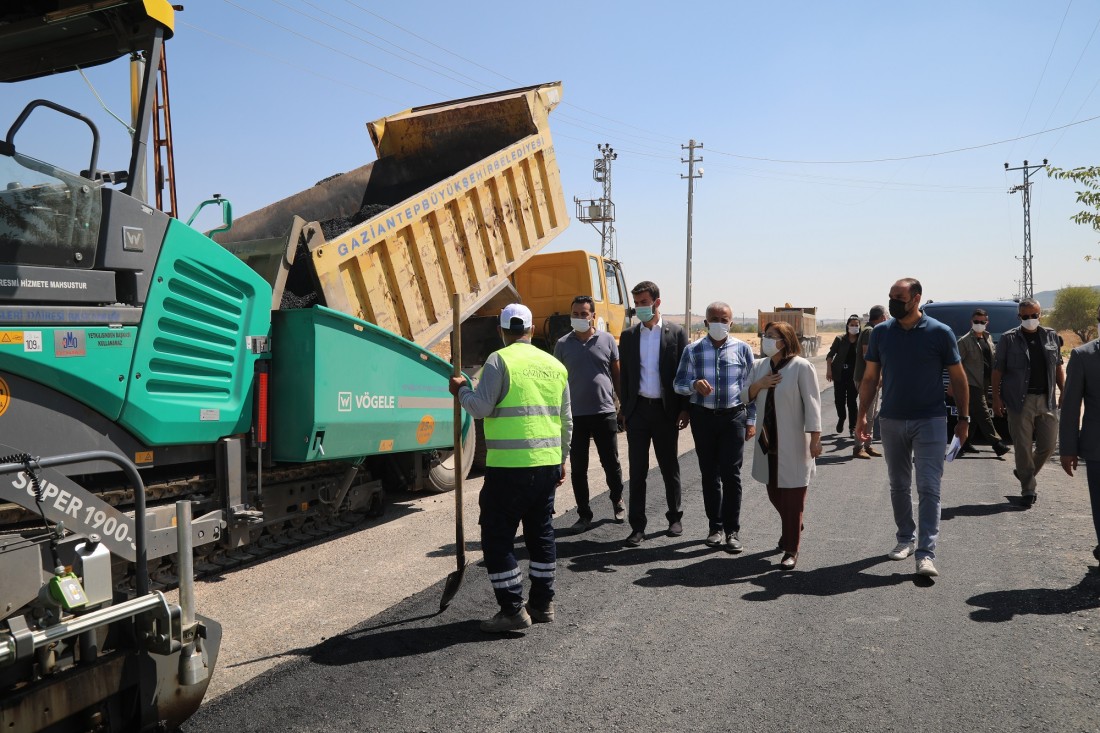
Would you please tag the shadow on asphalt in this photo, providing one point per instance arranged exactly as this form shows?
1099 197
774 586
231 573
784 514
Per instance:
837 449
586 555
449 549
1004 605
1012 504
375 644
758 569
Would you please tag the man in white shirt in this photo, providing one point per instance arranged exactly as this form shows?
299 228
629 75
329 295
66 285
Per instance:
651 410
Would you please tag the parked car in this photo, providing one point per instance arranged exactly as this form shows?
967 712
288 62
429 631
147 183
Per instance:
956 315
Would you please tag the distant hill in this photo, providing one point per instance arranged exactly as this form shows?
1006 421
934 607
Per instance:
1046 297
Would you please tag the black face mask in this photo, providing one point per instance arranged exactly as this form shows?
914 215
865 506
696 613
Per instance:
898 308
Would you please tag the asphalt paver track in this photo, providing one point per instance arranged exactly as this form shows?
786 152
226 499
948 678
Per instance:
675 636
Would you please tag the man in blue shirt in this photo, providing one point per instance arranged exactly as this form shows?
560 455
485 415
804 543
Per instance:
911 351
714 370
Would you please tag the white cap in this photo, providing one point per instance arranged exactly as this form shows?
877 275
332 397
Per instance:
516 312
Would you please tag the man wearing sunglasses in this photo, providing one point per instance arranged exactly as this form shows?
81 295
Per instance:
976 350
1026 369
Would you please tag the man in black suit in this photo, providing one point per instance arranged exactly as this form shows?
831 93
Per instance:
1079 437
651 410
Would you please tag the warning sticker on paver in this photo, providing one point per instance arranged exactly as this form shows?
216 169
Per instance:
425 429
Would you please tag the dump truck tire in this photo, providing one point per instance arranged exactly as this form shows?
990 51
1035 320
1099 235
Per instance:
441 477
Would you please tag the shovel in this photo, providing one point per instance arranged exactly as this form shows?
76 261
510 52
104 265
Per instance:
454 580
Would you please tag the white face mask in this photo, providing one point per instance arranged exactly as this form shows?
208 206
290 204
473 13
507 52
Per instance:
978 327
854 330
718 331
770 347
1030 324
580 325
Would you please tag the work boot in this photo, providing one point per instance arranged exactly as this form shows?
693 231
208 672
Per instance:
505 621
541 615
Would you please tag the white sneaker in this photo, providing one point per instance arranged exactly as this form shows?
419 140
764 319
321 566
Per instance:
902 550
926 568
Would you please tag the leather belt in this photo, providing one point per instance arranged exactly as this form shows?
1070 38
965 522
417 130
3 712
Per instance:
736 409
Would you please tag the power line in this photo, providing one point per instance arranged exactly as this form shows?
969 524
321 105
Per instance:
282 60
331 48
907 157
1071 75
1043 74
474 85
1077 114
432 43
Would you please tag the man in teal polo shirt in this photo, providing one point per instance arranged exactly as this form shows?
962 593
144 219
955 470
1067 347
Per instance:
911 351
523 394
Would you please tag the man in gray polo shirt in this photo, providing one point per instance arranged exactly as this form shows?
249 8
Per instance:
592 359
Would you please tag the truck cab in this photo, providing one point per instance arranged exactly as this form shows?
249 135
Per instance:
547 283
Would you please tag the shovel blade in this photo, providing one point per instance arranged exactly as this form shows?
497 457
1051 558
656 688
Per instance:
450 589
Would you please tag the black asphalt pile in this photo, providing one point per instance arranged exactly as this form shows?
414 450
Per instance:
302 289
335 227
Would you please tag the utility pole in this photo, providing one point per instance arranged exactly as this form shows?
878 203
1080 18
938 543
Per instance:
1027 284
691 176
601 211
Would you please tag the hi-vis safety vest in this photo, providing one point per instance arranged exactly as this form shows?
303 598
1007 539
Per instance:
525 428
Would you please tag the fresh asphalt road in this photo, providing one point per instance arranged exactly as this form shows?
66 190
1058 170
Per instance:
676 636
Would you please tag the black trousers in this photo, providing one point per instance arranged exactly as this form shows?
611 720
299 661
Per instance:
720 445
511 496
649 424
604 430
845 392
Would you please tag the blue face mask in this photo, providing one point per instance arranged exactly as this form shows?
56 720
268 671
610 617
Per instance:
644 313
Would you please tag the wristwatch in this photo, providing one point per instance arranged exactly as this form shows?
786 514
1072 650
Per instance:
964 418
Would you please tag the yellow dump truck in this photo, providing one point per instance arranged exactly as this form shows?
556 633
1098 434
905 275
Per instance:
549 282
463 194
803 320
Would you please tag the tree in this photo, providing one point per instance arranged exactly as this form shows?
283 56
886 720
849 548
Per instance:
1075 310
1089 177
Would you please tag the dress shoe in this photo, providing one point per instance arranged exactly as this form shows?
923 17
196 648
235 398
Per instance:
872 452
713 539
967 448
581 525
635 539
1030 499
675 529
620 511
1000 448
1096 552
788 562
861 452
840 425
733 543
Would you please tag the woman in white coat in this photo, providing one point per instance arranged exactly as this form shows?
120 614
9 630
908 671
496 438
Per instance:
788 422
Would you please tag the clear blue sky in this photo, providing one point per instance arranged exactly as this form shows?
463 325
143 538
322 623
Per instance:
269 96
